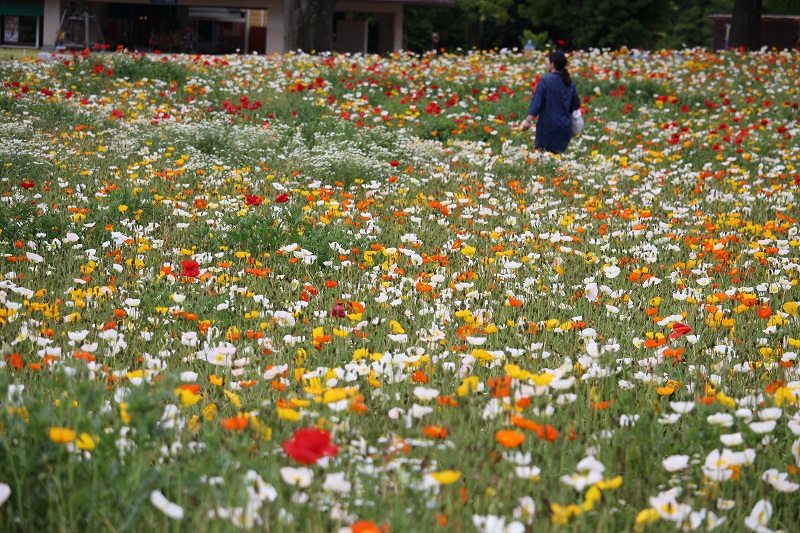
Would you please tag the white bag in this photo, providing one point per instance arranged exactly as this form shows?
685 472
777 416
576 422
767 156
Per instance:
577 122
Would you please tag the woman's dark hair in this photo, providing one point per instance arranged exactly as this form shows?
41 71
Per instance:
559 61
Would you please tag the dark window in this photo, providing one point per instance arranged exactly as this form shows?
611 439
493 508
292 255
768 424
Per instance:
19 30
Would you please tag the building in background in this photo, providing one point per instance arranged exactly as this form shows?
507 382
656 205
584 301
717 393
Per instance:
198 26
21 24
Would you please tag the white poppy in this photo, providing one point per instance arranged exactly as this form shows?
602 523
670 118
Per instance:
533 473
526 510
5 492
587 472
418 411
731 439
720 419
611 271
77 336
770 413
396 412
496 524
668 508
779 480
682 407
591 292
284 318
336 482
161 503
299 477
275 371
674 463
427 394
765 426
189 338
759 517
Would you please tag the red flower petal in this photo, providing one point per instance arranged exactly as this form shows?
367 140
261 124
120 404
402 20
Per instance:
309 445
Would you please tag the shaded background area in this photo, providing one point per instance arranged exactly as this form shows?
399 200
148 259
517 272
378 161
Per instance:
647 24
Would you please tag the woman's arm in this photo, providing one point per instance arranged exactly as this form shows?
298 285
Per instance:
536 105
576 101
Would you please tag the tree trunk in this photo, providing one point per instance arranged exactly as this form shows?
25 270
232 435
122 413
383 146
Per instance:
746 24
309 25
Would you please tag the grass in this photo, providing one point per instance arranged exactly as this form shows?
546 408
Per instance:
373 251
18 53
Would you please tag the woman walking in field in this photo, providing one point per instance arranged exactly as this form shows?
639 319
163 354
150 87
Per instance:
554 100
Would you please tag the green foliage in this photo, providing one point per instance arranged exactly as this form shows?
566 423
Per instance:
27 222
649 24
136 68
492 11
598 23
419 22
540 40
401 208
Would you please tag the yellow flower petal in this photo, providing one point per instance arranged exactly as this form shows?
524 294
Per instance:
61 435
446 477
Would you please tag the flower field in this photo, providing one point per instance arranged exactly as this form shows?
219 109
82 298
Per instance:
342 293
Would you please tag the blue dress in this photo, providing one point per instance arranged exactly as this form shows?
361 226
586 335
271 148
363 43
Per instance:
553 102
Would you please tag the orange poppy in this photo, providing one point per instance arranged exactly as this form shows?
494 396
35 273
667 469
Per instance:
524 423
424 287
366 526
436 432
509 438
419 377
235 423
548 432
764 312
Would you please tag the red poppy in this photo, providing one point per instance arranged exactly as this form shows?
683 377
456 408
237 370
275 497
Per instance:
252 199
26 183
282 198
678 330
309 445
191 268
338 311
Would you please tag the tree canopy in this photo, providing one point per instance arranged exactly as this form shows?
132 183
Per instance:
649 24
